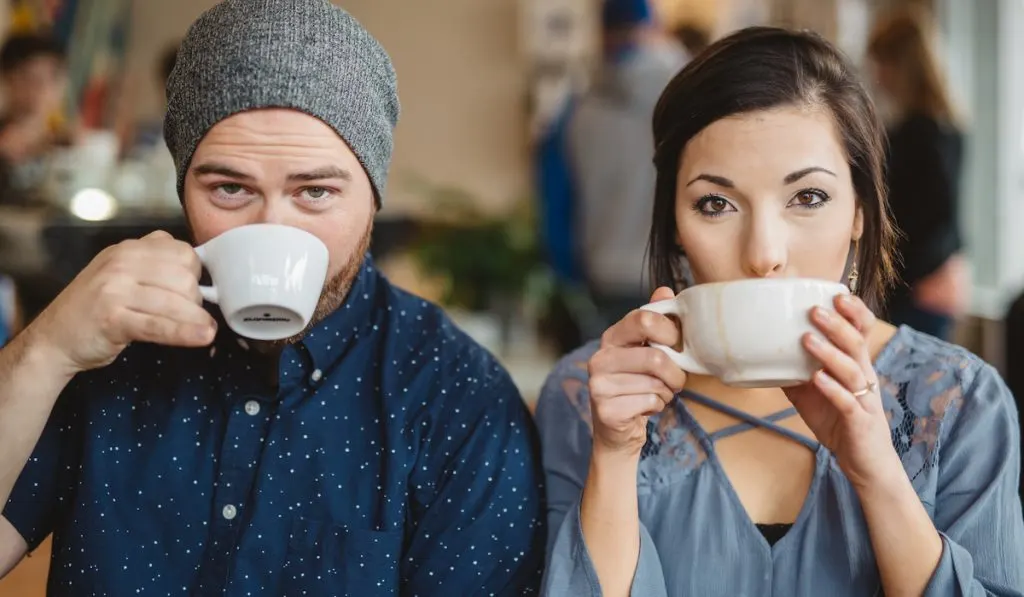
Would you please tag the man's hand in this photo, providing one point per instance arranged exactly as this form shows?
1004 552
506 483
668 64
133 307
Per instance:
138 290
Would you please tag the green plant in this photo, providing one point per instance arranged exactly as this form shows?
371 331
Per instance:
486 261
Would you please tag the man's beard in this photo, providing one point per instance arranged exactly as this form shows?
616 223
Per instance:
333 295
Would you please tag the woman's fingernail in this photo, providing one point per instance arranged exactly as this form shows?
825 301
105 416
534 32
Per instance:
821 315
814 340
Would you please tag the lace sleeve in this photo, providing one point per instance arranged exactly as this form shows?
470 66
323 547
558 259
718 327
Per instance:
977 507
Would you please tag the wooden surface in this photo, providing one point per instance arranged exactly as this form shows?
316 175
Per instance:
29 578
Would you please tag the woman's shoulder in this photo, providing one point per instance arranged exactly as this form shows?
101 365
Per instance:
574 364
931 388
930 365
566 385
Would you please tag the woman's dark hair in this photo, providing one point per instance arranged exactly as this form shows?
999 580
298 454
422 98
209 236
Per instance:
760 68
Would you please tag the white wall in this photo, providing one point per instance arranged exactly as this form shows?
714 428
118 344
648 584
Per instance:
984 52
461 80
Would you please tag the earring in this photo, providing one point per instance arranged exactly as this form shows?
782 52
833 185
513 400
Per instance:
854 274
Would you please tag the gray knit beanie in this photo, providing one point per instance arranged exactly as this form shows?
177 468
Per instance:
306 55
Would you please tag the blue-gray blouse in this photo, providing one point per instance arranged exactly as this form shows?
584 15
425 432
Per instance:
954 425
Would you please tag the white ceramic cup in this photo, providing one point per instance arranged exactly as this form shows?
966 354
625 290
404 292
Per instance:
267 278
748 333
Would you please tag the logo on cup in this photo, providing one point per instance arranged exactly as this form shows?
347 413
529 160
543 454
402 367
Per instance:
268 318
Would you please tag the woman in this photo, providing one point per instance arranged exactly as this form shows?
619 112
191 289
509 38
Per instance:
894 470
925 160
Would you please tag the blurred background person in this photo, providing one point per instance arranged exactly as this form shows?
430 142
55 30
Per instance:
924 172
693 37
595 166
33 78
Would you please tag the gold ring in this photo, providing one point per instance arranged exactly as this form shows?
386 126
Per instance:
871 388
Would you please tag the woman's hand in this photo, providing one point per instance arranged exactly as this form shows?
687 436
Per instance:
842 404
630 381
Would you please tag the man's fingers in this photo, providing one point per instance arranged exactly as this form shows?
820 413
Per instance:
157 329
156 301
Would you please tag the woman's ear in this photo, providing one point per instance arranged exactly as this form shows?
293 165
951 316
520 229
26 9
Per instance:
858 225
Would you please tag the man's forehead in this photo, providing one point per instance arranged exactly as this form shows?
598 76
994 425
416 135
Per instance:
273 119
281 129
277 144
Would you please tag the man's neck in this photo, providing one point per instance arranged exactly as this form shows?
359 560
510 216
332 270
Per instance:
268 361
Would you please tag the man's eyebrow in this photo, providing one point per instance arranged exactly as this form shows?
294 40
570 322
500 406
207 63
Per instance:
221 170
323 173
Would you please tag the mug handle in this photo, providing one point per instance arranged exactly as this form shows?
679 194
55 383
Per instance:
209 293
684 360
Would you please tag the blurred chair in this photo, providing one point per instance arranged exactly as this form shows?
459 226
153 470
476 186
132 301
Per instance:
1014 355
8 309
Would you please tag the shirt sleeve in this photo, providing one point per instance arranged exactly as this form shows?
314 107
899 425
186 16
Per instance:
563 419
32 507
477 494
978 509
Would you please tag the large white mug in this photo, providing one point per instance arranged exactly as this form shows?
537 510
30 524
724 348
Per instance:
267 278
748 333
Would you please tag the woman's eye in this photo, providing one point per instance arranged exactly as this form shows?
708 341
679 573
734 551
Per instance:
811 198
717 204
713 205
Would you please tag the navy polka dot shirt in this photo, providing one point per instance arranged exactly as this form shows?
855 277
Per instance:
384 454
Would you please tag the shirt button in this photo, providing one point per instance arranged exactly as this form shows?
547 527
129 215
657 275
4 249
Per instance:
252 408
229 512
316 375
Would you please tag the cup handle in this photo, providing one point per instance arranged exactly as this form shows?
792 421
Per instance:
684 360
209 293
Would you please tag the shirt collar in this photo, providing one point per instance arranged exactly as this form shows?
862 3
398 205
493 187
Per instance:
328 341
323 347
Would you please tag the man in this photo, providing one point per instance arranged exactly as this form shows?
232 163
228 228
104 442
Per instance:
34 79
381 453
595 167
